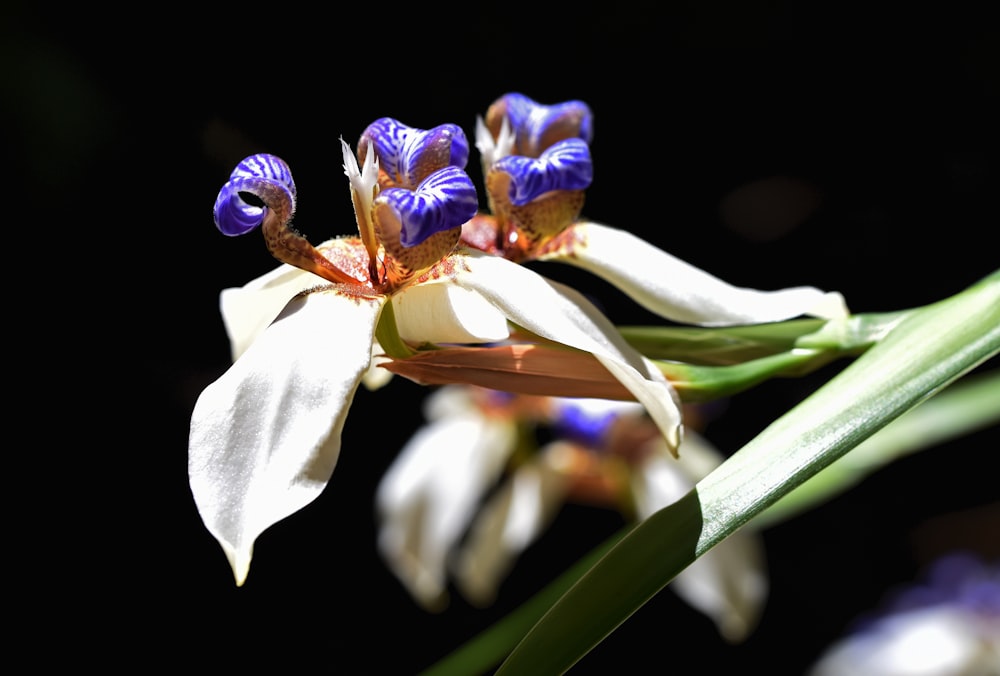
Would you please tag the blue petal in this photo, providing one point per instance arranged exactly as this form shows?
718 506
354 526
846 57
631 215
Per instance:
531 120
446 199
408 155
564 166
258 175
578 424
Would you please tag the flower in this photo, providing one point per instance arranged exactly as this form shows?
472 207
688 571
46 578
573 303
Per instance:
265 437
948 624
537 163
427 270
441 518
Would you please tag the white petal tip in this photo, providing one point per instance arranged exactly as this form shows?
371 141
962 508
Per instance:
830 306
240 563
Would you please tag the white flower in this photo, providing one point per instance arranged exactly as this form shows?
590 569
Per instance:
265 437
432 530
426 269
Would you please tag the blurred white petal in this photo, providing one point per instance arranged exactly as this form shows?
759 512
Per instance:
507 524
430 493
265 436
729 582
679 291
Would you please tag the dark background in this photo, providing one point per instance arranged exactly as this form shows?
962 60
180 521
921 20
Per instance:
769 144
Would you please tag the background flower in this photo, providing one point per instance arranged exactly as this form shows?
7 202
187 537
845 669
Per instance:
946 624
475 487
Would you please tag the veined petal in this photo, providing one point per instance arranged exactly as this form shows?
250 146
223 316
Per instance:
537 126
444 313
265 437
728 583
263 175
564 166
429 494
444 200
507 524
248 310
561 314
408 155
678 290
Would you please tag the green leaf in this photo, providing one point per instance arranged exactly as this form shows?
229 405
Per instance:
961 409
928 349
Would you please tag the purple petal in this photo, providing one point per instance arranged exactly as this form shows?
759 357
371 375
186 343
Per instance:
531 120
564 166
446 199
585 426
265 176
408 155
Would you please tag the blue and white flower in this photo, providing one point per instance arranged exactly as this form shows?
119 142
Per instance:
265 437
426 269
472 490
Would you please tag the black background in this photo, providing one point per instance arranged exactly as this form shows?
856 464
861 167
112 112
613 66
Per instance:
850 149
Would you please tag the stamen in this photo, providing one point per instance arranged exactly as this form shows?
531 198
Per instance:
364 189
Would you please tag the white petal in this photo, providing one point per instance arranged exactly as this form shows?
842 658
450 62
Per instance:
728 583
558 313
247 310
376 378
511 521
428 496
445 313
265 437
681 292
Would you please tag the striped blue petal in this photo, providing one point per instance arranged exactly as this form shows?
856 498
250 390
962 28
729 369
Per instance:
446 199
408 155
564 166
264 176
532 121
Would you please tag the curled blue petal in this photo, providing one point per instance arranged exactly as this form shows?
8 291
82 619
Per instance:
265 176
537 126
446 199
408 155
564 166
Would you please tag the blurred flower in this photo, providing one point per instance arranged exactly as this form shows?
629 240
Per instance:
474 488
948 625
